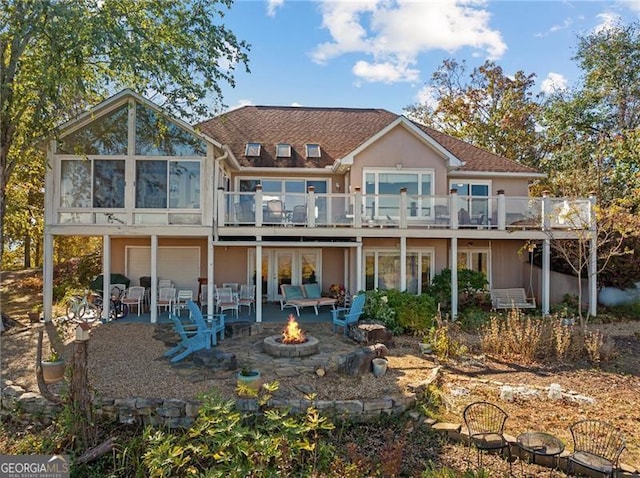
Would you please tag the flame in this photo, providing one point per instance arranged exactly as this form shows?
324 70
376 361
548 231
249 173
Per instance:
292 333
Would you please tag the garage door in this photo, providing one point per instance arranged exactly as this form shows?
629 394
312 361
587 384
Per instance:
181 265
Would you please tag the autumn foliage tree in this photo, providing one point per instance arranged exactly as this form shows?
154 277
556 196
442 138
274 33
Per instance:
57 57
487 108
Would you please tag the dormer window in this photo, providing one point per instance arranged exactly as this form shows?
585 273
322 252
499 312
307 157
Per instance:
252 149
313 150
283 150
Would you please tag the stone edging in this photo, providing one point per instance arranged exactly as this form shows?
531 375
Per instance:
176 413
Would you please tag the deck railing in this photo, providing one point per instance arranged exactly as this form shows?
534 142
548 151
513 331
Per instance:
402 210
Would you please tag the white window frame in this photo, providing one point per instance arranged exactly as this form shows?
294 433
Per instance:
469 265
283 150
424 200
252 149
421 251
312 150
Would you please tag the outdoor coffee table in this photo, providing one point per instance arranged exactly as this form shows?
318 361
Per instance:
541 444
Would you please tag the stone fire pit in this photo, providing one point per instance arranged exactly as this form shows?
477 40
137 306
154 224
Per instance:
274 346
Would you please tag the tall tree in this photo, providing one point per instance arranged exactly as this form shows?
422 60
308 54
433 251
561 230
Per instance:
593 131
58 56
487 109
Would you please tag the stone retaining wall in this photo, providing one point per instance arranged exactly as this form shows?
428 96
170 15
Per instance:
175 413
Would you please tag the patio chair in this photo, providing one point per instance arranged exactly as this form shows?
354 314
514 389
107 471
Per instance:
299 214
274 211
134 296
204 296
244 212
597 446
293 296
441 213
166 297
485 424
189 341
213 324
226 300
162 283
181 301
231 285
247 296
345 316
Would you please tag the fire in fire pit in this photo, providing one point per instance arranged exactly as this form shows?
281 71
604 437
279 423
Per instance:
292 342
292 333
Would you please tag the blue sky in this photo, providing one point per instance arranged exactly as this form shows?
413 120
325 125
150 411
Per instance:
381 54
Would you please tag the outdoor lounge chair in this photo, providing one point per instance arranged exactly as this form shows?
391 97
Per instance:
597 445
345 316
312 291
293 296
213 324
190 341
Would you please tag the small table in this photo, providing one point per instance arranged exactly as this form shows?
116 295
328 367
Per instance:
541 444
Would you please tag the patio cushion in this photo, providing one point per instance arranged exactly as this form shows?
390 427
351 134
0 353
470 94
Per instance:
312 291
294 292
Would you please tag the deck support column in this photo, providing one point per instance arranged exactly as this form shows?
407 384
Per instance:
47 277
106 277
454 278
259 291
154 279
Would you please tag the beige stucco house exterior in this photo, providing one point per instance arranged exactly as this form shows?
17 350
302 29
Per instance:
276 195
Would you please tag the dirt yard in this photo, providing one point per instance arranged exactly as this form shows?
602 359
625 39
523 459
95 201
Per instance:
608 392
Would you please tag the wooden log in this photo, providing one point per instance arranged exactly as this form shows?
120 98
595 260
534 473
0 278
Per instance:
96 452
423 385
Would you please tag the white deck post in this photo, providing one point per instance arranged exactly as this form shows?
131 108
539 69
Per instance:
546 253
259 291
593 262
106 276
154 279
47 276
454 275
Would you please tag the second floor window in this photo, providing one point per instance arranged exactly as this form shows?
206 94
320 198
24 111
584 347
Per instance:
167 184
98 183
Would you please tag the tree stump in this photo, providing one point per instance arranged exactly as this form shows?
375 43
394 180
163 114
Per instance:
358 363
371 333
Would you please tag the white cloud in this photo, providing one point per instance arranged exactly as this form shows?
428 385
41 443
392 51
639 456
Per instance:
554 82
240 103
394 33
631 4
385 72
607 20
272 6
427 95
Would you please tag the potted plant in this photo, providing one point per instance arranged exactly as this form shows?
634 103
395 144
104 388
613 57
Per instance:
34 314
249 381
53 367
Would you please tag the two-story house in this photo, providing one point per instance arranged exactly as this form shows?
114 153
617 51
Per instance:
277 195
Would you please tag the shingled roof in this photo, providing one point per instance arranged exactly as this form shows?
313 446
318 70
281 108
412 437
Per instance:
338 131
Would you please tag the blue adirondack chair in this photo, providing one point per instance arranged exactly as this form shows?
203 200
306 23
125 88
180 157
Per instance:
344 316
190 341
212 323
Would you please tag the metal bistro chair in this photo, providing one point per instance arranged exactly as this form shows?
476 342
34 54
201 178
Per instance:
247 296
485 424
226 300
134 296
597 445
180 304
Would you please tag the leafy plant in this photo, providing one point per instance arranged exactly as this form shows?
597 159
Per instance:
471 287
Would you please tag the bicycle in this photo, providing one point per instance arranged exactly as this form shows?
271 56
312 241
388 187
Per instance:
117 310
84 308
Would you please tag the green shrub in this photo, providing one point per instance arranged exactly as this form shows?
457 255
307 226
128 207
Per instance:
226 442
471 289
401 312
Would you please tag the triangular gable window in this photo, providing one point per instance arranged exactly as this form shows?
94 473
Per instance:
105 136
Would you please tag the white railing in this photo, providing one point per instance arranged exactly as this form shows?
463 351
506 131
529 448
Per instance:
402 210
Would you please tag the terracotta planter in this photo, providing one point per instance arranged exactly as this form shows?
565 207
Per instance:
53 372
